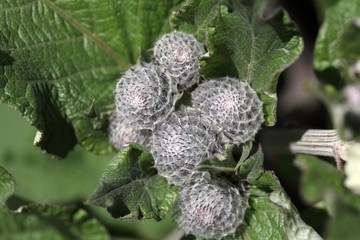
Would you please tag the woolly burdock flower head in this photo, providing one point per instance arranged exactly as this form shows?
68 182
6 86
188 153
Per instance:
122 134
181 143
211 210
233 104
179 53
145 96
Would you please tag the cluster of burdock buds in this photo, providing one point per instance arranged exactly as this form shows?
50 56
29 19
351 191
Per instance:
223 111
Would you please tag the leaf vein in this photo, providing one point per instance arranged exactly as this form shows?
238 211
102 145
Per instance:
102 45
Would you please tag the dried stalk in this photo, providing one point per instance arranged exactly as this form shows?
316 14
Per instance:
322 143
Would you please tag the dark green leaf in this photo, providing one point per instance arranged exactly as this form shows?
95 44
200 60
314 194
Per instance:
245 44
57 56
50 222
129 188
326 60
7 186
252 168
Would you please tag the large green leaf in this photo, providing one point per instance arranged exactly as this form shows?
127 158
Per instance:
244 43
57 56
50 222
272 215
130 187
326 60
7 186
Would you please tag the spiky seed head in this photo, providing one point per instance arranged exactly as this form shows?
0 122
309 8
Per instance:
122 134
145 96
182 142
179 53
211 210
233 104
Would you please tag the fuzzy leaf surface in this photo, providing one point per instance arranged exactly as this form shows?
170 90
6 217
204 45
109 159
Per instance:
196 17
50 222
244 43
57 56
272 215
130 187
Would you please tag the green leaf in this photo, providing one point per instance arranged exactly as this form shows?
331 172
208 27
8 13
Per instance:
7 186
349 43
271 214
50 222
196 17
326 60
130 187
323 184
349 49
321 181
251 168
60 55
244 44
345 225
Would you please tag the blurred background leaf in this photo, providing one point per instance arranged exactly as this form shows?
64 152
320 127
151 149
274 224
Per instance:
323 186
326 59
